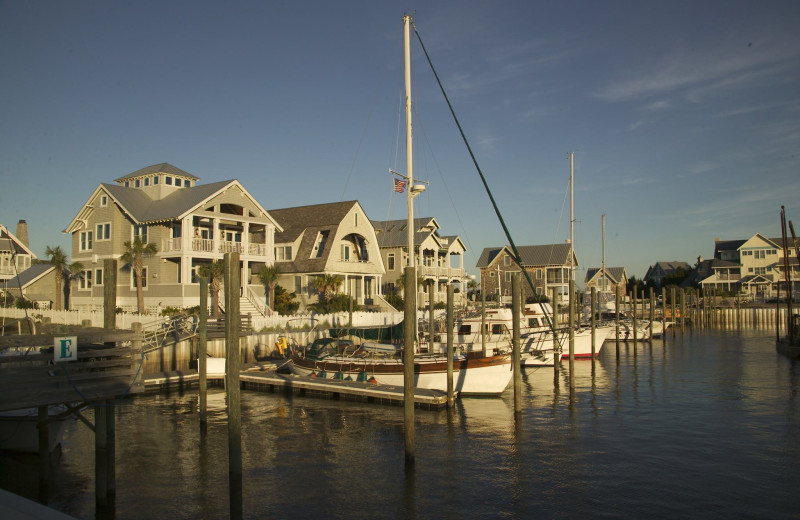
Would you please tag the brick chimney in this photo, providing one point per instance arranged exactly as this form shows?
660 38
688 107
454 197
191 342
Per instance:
22 233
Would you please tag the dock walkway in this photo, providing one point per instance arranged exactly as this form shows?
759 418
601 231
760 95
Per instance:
263 377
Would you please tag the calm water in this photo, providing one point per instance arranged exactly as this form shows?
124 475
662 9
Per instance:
707 426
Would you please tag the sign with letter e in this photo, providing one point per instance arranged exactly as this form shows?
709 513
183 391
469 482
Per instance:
65 349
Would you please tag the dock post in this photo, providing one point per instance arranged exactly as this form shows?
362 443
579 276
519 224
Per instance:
483 321
202 354
652 310
683 310
616 305
664 314
232 325
431 323
594 317
450 324
672 305
516 309
556 346
109 294
635 322
409 332
571 318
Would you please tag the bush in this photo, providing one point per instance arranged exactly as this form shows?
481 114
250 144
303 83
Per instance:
284 301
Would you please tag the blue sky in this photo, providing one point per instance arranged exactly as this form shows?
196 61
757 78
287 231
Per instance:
684 117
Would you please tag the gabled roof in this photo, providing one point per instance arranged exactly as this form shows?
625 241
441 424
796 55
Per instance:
9 242
775 242
394 233
551 254
615 274
296 220
451 239
157 168
28 276
756 278
726 245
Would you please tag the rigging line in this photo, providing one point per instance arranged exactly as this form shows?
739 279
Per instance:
517 256
363 133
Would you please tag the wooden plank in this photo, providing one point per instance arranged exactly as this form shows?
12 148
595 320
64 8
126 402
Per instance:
84 337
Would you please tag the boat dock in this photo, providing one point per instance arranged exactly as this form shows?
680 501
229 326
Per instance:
263 377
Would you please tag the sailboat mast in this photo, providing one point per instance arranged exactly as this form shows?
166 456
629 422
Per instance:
409 144
571 223
604 252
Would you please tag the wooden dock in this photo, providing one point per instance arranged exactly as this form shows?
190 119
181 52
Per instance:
264 378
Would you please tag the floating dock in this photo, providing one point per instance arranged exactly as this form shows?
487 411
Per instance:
263 377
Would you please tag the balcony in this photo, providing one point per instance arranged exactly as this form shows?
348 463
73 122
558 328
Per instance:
206 245
449 273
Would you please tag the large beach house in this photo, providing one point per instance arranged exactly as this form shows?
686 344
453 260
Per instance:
191 225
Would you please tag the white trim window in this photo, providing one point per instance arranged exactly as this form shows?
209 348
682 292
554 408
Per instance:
141 232
345 253
86 279
283 253
144 279
98 277
85 241
104 200
103 231
390 261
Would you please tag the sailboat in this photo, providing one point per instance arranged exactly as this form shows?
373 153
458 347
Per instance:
473 373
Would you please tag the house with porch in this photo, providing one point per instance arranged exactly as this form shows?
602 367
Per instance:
329 239
15 253
605 281
657 272
191 225
439 258
762 267
547 265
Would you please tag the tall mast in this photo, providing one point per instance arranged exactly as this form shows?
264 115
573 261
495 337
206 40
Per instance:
604 252
409 144
571 224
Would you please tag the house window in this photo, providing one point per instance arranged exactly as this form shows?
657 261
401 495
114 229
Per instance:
86 280
127 184
355 219
283 253
749 269
155 180
319 246
345 252
144 278
136 183
85 241
103 200
141 232
760 254
538 274
507 260
177 182
147 181
98 277
491 274
168 180
390 261
103 231
298 284
508 276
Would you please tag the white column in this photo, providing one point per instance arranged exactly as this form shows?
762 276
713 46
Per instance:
215 235
246 238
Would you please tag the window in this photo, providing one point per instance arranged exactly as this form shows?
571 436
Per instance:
103 231
507 260
127 184
298 284
136 183
103 200
168 180
390 261
98 277
465 329
283 253
141 232
491 274
144 278
508 276
760 254
147 181
345 252
86 280
355 219
538 274
319 246
155 180
177 182
85 241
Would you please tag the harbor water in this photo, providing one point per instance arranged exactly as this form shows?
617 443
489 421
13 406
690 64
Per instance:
707 425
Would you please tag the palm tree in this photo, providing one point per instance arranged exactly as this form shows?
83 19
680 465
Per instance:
472 287
58 259
134 255
268 276
327 285
214 273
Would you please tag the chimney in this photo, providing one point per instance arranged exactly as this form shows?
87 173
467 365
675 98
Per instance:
22 232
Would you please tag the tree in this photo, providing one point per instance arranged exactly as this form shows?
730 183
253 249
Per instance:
214 272
133 257
268 276
64 270
472 288
327 285
284 301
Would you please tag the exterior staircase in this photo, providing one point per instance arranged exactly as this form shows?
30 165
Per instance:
246 307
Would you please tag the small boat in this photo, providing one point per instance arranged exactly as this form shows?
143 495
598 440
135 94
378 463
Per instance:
19 429
333 358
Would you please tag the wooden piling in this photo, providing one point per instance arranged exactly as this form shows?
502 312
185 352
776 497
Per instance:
109 294
516 309
483 323
556 346
683 310
664 314
616 305
571 318
409 332
593 296
232 326
450 324
202 354
431 322
673 306
635 326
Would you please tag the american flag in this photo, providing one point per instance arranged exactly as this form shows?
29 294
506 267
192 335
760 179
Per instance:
399 185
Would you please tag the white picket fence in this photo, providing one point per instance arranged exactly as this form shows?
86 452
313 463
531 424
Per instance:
297 321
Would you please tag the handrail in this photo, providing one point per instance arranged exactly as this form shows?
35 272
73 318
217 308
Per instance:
252 297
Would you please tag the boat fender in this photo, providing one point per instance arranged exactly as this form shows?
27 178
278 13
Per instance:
313 374
372 380
363 377
322 374
338 375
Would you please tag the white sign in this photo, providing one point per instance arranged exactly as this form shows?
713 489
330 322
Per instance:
65 349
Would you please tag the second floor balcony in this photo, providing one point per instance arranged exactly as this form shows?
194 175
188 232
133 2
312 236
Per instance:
451 273
207 245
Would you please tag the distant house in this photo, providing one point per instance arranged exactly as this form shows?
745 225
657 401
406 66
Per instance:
439 259
191 225
329 239
660 270
36 284
547 265
15 253
608 281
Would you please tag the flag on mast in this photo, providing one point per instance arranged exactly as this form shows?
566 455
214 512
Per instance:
399 185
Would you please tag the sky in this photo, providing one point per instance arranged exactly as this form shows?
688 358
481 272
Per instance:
683 116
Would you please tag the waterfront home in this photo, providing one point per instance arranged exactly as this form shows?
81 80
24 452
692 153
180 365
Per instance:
15 253
660 270
37 284
606 281
329 239
190 224
547 265
439 259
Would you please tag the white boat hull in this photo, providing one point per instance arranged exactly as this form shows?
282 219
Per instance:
19 431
